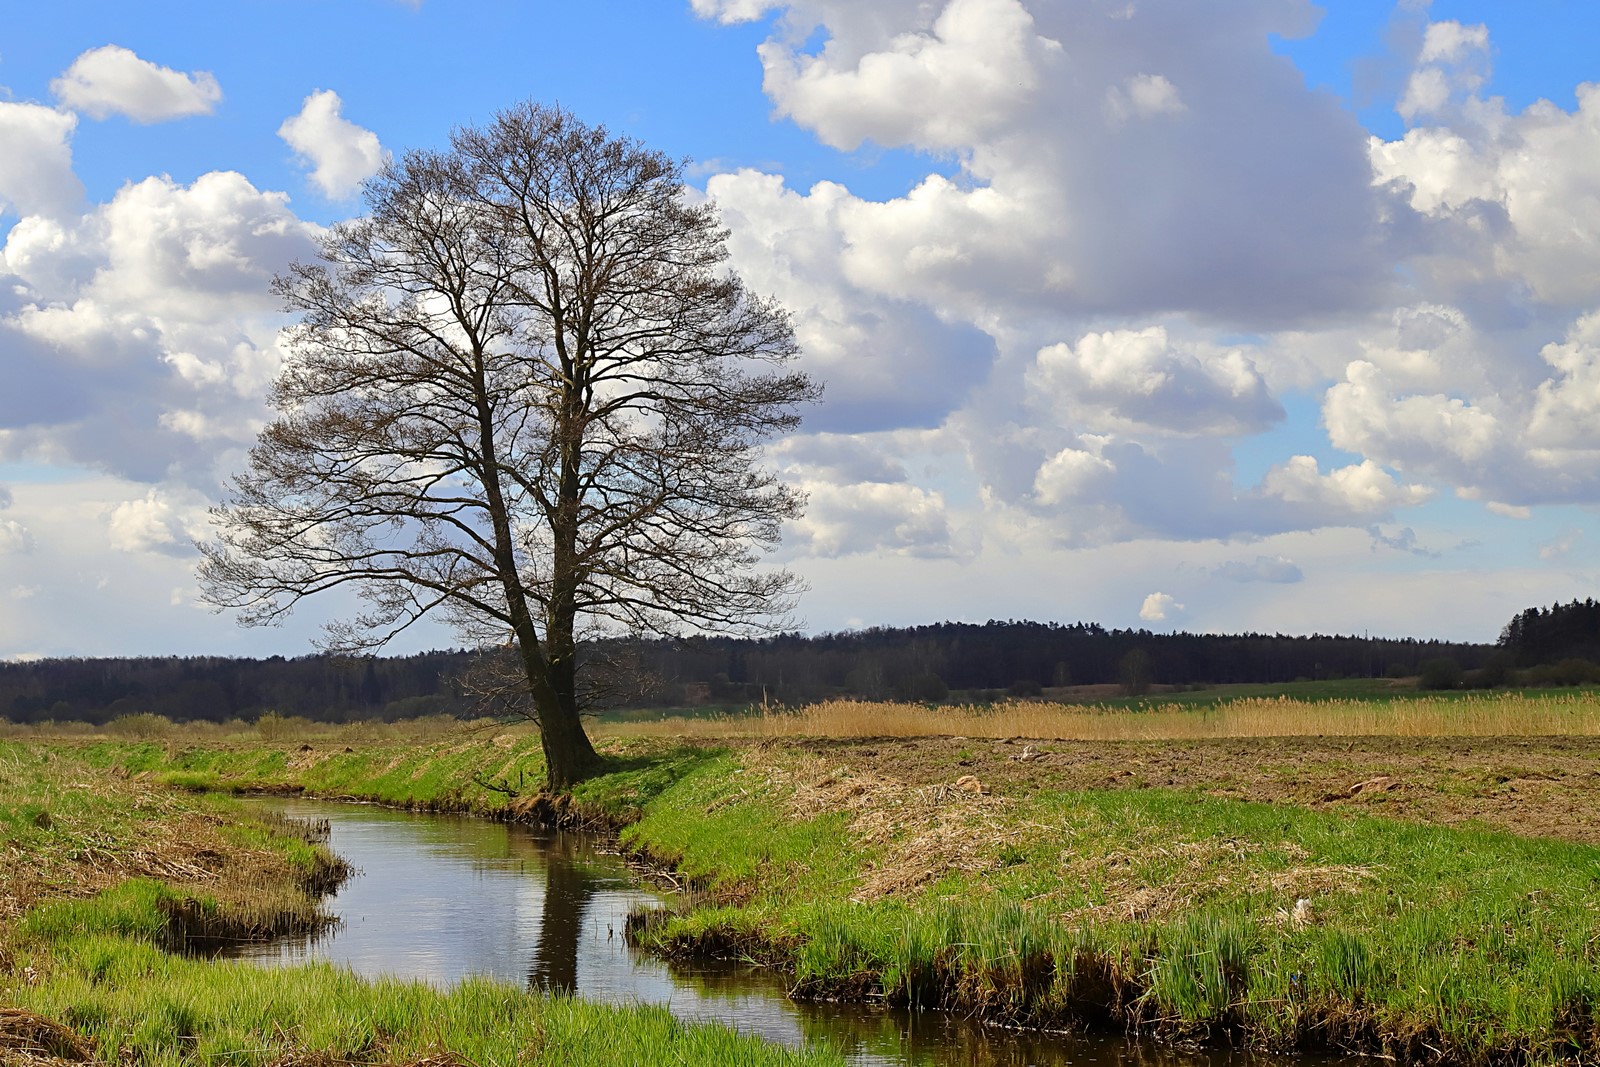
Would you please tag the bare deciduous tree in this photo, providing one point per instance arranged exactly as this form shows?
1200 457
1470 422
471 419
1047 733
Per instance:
524 391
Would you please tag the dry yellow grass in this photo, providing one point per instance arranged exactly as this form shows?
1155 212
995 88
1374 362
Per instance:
1490 715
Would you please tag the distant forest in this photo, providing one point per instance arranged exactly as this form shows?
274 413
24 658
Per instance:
965 661
1554 634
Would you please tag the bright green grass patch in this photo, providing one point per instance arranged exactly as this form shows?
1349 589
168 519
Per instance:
470 773
99 964
1156 909
104 977
1169 910
391 772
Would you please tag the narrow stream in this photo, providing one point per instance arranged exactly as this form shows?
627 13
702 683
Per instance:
439 898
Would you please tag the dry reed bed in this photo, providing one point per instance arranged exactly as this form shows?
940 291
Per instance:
1489 715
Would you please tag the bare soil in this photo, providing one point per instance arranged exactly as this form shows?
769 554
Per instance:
1537 787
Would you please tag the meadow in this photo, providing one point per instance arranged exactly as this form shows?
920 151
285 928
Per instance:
1410 878
110 881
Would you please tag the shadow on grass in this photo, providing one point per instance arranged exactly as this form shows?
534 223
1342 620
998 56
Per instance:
624 784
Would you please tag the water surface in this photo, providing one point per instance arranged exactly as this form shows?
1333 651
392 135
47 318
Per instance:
441 897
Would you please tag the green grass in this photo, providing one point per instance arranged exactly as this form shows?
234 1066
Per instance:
390 772
1157 910
103 965
1379 689
105 977
1168 911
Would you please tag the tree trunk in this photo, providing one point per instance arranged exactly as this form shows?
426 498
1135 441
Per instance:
569 756
568 753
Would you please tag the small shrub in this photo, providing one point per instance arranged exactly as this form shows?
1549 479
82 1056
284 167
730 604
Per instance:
1498 670
1440 673
1136 670
140 727
274 727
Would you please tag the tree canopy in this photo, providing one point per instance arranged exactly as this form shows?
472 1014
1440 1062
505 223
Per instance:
527 392
1561 631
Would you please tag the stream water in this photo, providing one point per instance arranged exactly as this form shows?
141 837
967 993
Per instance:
439 898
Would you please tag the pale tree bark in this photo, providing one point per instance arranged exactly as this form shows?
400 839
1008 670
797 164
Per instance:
526 392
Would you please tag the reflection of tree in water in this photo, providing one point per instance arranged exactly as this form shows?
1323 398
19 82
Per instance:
568 885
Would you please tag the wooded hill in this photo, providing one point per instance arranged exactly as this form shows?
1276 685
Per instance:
967 661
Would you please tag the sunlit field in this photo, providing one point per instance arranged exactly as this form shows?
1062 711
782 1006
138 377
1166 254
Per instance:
1490 715
1572 713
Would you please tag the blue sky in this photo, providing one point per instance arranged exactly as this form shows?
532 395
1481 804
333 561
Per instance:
1219 317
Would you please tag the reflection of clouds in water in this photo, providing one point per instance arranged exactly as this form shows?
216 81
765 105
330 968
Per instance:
440 898
436 899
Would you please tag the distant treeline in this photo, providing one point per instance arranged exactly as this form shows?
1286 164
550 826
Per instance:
984 660
937 662
1553 634
214 688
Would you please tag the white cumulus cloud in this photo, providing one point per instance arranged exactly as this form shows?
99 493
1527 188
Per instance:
14 537
1452 64
1072 474
1159 607
939 85
342 155
1566 409
731 11
887 361
1144 377
1362 488
891 518
1262 208
112 80
36 175
166 519
140 336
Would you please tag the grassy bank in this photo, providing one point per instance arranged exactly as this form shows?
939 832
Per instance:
99 975
108 879
1159 909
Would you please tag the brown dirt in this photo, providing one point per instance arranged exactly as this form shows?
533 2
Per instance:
1539 787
